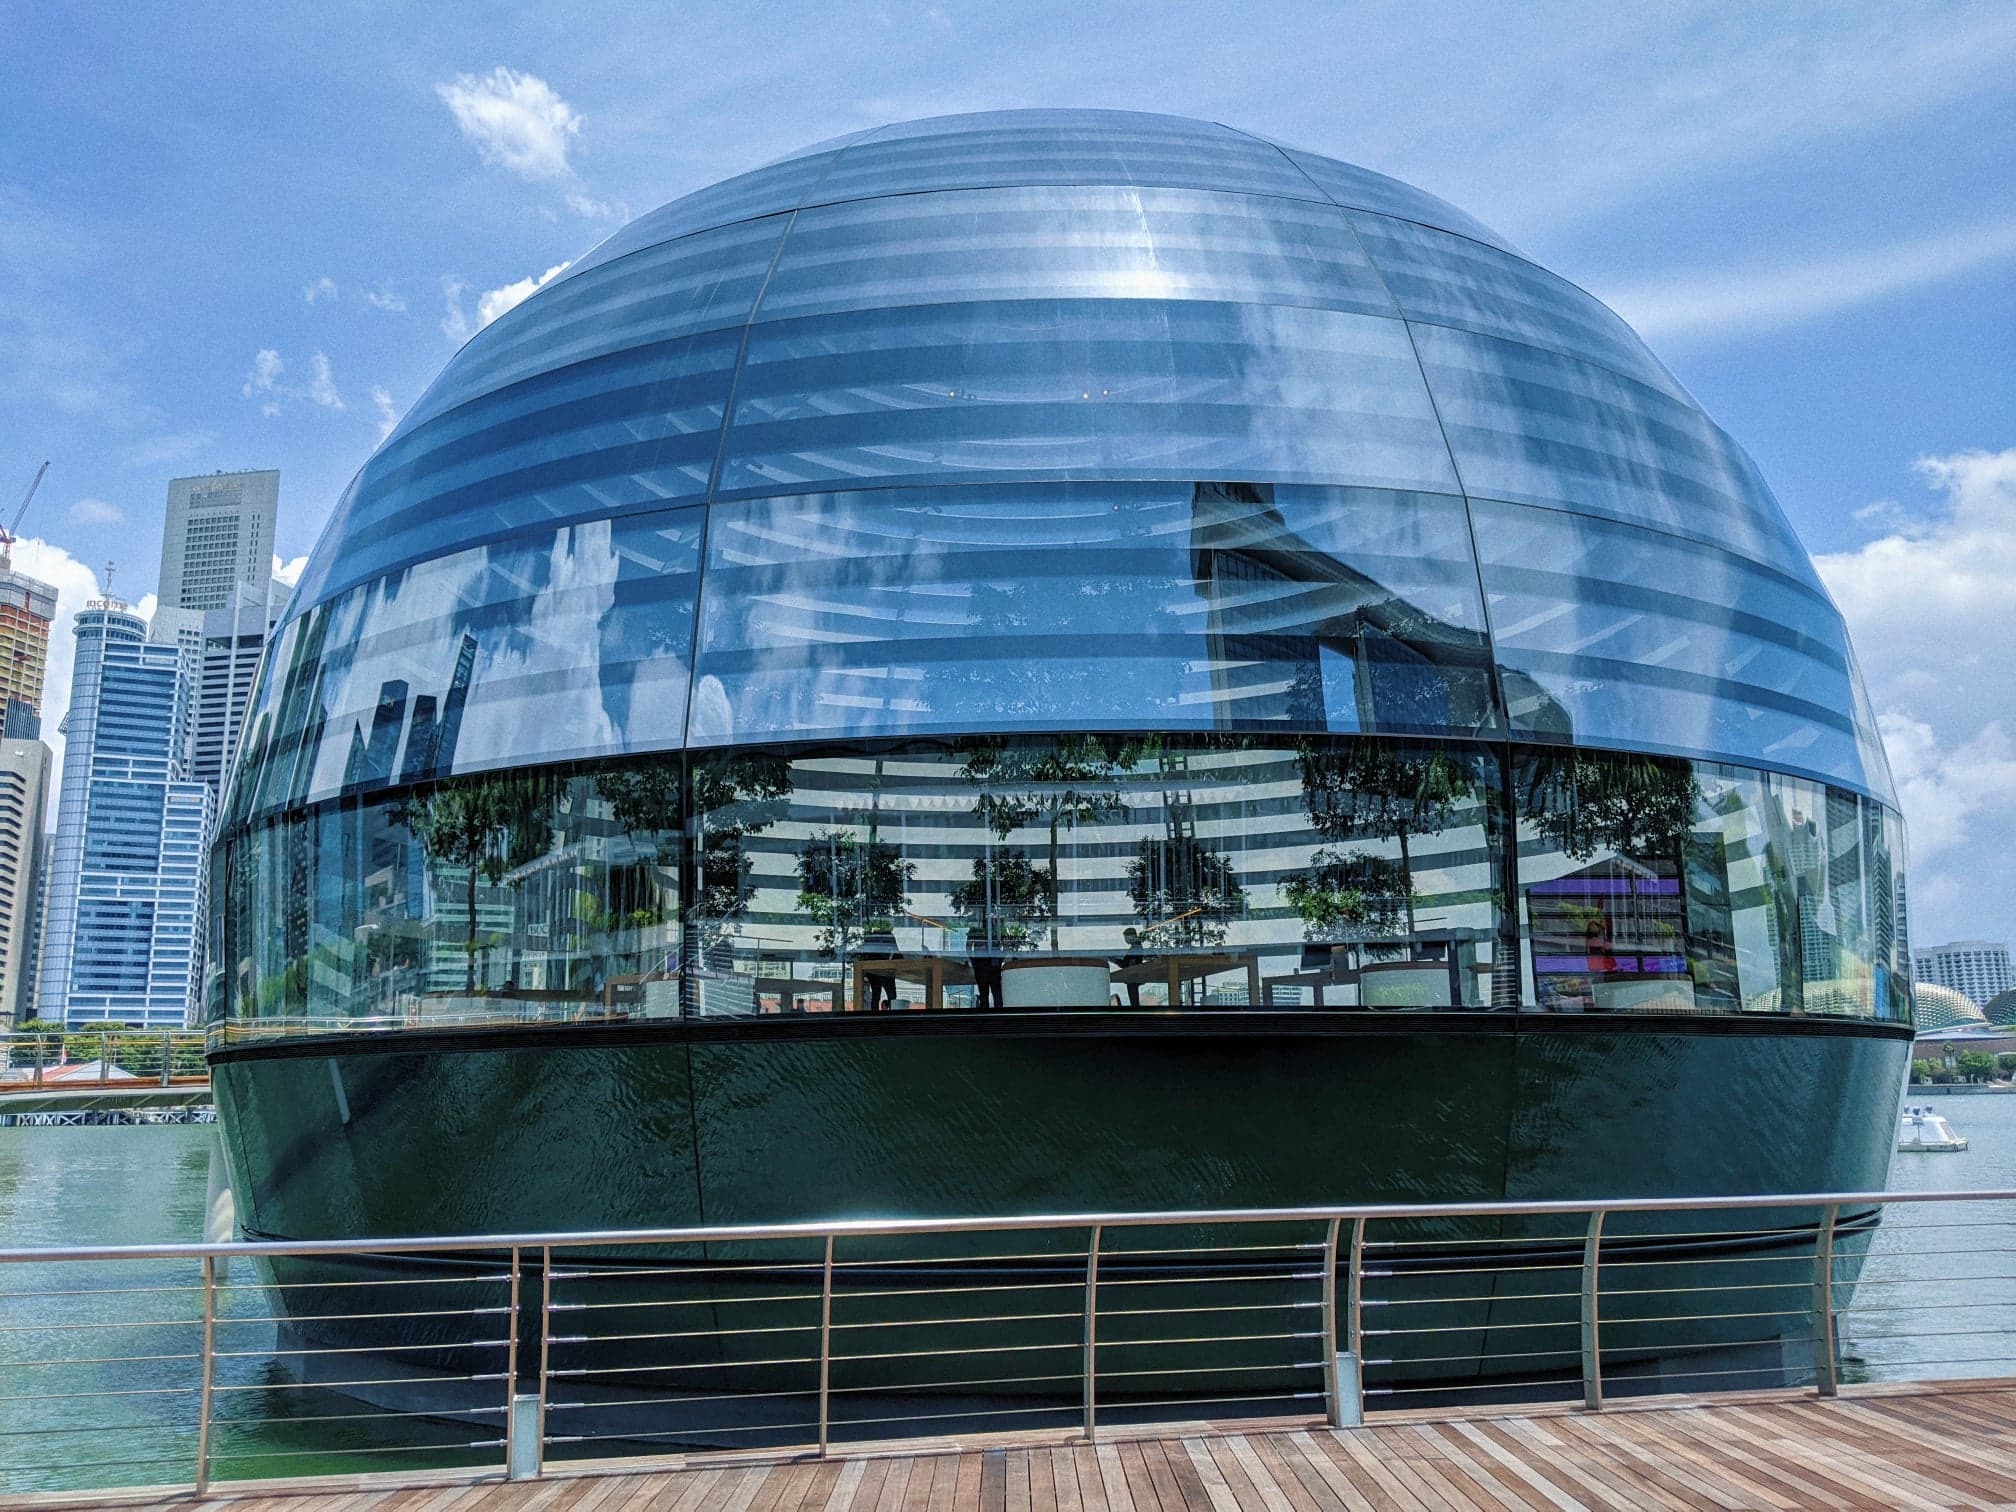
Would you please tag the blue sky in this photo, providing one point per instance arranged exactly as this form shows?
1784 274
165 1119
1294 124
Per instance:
229 244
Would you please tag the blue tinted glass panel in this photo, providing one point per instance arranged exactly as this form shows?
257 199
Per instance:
1083 147
1217 606
1451 280
1134 388
704 283
630 432
1539 428
1641 639
567 643
767 191
1362 189
1070 243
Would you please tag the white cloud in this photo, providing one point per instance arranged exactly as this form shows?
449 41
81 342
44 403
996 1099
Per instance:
289 572
266 370
388 413
515 121
384 297
1933 618
1734 300
323 288
590 208
321 384
455 322
266 383
96 512
495 302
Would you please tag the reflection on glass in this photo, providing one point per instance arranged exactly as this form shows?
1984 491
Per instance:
1022 873
1211 605
1657 885
477 659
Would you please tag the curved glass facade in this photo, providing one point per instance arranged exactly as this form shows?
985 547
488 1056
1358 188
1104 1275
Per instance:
1059 431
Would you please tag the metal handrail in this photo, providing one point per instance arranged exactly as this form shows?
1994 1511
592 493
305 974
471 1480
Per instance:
877 1228
528 1382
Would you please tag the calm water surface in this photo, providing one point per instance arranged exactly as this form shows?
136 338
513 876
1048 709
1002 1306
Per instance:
1935 1299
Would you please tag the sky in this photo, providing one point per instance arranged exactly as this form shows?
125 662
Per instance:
229 245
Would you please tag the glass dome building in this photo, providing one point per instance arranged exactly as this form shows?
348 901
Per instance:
1081 660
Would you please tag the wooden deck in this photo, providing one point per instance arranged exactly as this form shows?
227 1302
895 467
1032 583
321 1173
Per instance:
1874 1447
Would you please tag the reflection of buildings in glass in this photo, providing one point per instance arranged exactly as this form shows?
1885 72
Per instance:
1300 637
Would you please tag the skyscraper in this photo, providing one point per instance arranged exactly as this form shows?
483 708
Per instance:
24 793
126 880
27 608
223 647
219 534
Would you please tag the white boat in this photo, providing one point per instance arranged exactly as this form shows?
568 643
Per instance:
1926 1132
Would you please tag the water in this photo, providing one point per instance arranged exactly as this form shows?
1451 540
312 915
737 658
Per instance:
1933 1301
102 1417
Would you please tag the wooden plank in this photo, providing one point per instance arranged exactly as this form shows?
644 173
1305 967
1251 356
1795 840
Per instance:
1333 1474
1218 1492
1183 1473
1272 1498
1064 1481
1091 1484
1622 1479
1017 1495
1167 1493
1113 1480
1139 1486
1665 1460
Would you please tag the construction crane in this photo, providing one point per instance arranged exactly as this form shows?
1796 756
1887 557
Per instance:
7 536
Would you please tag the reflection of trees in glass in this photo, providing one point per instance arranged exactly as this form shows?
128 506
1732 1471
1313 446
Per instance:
1350 895
1635 805
488 824
1367 790
1072 778
734 797
1006 897
845 882
1182 890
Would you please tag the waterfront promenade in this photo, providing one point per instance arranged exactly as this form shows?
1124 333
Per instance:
1917 1446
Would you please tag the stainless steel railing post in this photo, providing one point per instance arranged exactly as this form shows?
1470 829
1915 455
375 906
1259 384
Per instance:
209 1374
1592 1342
104 1050
1824 1379
1092 1331
167 1056
825 1344
1354 1318
1333 1406
545 1357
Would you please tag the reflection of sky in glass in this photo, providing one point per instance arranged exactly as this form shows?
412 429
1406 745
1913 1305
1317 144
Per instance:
849 354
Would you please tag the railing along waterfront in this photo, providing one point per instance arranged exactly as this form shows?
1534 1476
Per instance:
526 1354
89 1058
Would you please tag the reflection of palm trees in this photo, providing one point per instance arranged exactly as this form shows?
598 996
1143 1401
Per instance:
734 797
846 884
488 824
1069 778
1370 790
1005 897
1180 888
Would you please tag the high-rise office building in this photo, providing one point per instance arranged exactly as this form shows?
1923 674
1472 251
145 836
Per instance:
219 534
27 608
24 794
223 646
122 939
1978 969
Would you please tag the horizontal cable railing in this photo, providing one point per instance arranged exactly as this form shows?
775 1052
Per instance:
523 1354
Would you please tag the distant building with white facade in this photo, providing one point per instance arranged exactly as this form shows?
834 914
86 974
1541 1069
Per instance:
127 880
223 646
219 534
1977 969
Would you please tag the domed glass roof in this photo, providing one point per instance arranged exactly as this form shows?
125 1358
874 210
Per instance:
1052 420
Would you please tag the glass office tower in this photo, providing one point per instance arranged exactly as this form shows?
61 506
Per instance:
1094 625
124 931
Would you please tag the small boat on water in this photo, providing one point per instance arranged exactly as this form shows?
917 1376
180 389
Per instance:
1926 1132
